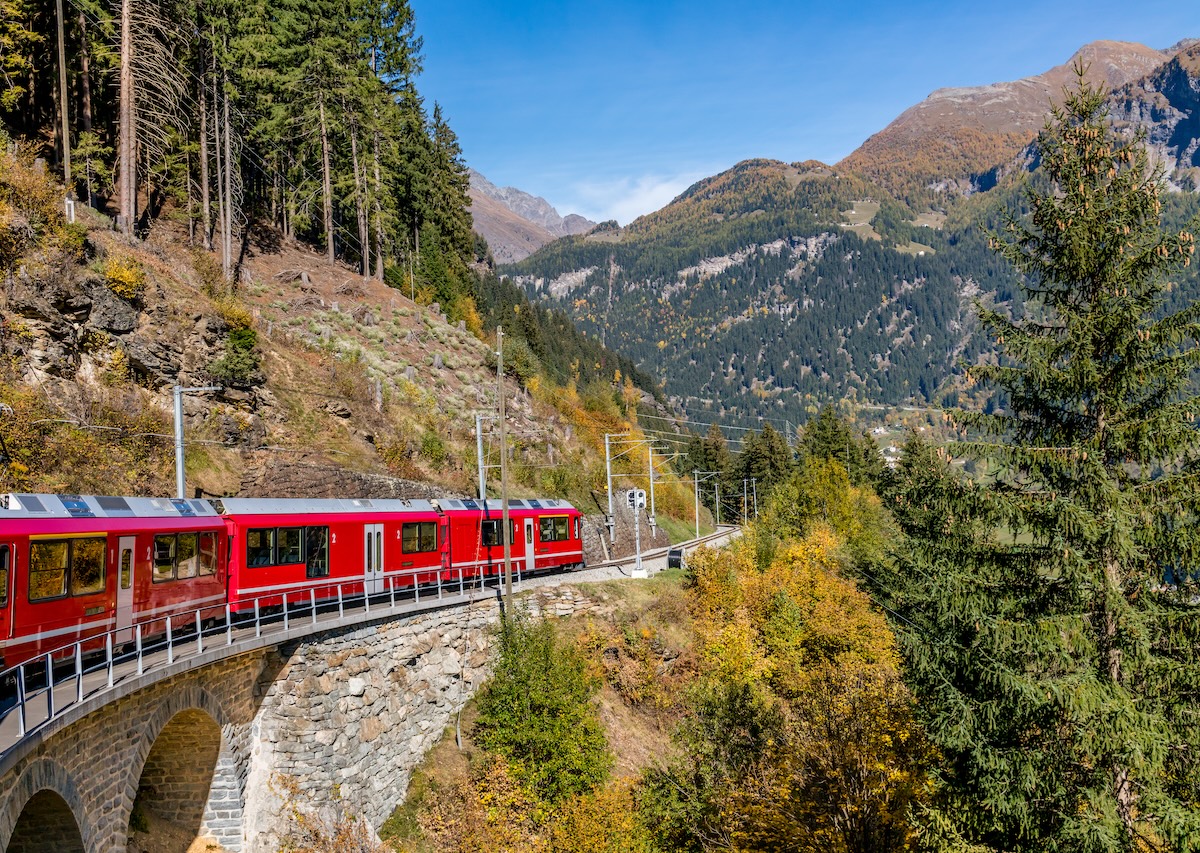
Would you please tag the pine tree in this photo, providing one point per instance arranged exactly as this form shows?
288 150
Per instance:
1059 672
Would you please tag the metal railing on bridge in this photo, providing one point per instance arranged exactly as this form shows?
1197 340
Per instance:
39 691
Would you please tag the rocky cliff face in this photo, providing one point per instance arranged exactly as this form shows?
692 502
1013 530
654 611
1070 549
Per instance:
1166 106
515 223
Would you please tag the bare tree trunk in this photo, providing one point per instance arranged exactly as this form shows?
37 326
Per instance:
85 78
360 207
378 213
228 175
205 201
326 180
191 208
126 161
222 201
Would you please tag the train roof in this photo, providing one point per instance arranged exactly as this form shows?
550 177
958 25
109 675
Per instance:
101 506
497 506
292 506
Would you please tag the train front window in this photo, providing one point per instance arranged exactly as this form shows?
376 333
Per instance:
317 547
554 528
186 556
48 570
260 547
208 553
164 557
4 559
87 565
289 545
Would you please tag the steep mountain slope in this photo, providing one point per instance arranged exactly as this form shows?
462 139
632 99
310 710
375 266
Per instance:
939 146
515 223
773 287
764 290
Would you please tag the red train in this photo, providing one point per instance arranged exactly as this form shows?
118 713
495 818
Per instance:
75 566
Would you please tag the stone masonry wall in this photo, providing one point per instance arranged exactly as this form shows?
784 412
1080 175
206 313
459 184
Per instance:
353 714
96 764
347 714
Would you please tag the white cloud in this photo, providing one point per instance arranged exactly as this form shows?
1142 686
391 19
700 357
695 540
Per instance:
626 198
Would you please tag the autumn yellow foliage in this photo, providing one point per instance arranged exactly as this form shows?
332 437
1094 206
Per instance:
795 654
125 276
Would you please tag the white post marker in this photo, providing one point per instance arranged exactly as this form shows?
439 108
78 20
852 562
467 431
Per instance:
637 502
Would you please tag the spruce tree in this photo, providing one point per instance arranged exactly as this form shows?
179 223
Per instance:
1049 629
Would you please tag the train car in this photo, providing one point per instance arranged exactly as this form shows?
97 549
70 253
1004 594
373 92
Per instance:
544 535
303 549
76 566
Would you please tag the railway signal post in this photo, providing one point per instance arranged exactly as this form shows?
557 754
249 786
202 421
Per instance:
637 502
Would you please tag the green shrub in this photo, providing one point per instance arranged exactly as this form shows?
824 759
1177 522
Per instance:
537 711
239 365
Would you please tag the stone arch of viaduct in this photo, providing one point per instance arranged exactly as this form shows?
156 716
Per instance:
224 752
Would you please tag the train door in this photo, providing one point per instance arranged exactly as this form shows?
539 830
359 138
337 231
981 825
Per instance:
444 545
530 559
373 558
6 593
125 549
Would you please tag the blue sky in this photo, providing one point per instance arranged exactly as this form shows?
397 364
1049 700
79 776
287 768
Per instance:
610 109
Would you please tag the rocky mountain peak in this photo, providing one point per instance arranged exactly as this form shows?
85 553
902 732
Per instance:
959 132
516 223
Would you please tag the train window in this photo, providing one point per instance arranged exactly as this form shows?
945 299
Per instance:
418 536
489 533
126 568
529 534
208 553
186 556
576 527
554 528
164 558
260 547
87 565
48 570
3 574
316 546
289 545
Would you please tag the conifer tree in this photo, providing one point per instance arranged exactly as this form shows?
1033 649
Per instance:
1059 670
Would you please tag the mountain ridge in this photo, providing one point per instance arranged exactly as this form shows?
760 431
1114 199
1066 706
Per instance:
516 223
772 288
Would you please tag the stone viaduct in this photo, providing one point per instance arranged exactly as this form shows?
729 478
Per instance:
226 750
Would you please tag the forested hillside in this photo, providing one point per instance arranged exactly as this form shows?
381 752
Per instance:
227 116
212 148
764 299
773 288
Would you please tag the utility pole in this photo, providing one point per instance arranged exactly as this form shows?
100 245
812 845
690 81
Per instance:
754 484
745 501
612 520
697 479
507 532
650 463
717 499
180 486
479 456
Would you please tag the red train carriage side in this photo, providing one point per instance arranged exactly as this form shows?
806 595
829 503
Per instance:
559 535
299 547
74 566
544 535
